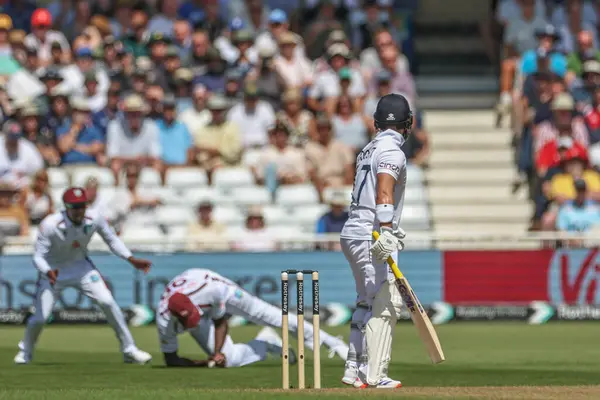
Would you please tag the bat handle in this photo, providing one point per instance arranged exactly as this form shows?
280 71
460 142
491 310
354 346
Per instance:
397 273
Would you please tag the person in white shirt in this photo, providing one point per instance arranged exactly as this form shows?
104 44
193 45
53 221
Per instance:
295 69
254 117
377 202
19 158
197 117
199 294
41 38
61 258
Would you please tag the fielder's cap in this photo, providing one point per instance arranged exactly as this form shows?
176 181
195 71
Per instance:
562 102
5 22
184 310
345 73
134 103
84 52
79 103
580 185
12 128
287 38
74 197
242 35
565 142
236 24
591 67
278 16
548 30
216 102
169 100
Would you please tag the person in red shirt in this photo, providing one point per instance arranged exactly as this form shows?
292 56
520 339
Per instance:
554 152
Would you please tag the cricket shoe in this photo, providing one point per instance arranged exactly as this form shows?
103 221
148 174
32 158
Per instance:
274 343
22 358
137 356
340 348
351 377
387 383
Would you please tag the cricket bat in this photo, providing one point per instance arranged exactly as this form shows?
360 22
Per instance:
417 313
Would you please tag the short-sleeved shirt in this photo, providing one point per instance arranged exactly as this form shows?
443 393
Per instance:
26 161
563 185
224 137
121 142
289 161
88 135
383 155
521 34
44 49
573 218
175 140
254 125
207 290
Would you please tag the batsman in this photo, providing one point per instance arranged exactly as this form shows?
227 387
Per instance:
377 201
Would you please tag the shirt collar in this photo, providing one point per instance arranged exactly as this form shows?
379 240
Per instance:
397 137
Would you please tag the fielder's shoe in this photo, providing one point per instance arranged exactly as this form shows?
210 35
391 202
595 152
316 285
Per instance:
387 383
274 343
137 356
340 349
22 358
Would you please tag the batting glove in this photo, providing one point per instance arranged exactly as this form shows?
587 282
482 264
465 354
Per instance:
389 241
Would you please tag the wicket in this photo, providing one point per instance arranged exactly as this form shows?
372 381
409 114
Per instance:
300 312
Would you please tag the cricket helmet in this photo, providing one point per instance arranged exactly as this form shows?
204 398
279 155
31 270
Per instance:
393 110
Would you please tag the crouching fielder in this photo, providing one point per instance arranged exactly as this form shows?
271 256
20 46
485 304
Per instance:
60 256
377 200
199 294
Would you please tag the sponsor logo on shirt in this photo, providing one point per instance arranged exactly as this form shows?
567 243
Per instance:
391 167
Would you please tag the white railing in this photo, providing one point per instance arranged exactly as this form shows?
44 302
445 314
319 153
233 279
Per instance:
414 241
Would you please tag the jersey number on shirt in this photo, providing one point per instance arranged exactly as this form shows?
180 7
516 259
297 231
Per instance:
366 169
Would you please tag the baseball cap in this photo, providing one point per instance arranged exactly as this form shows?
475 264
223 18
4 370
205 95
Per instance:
236 24
41 17
278 16
547 30
134 103
287 38
79 103
243 35
74 197
183 309
383 76
52 74
338 198
216 102
338 49
563 102
591 66
5 22
169 100
84 52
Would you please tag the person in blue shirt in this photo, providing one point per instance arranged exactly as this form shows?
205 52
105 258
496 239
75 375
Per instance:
111 111
547 40
580 214
175 139
79 141
333 221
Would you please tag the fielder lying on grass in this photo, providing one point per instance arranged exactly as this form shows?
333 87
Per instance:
199 294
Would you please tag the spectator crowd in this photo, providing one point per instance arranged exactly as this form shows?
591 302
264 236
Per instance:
550 86
134 89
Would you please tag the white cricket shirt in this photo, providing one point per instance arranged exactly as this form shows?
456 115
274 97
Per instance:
381 156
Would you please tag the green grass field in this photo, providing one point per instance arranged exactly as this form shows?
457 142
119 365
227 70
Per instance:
484 360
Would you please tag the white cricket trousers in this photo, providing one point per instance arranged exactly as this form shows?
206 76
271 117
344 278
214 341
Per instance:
369 276
262 313
88 280
236 354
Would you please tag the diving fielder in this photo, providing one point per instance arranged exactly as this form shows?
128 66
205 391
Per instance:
198 294
61 258
377 200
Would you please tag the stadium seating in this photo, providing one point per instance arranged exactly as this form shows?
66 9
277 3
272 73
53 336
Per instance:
58 178
232 177
297 195
251 195
149 177
104 176
186 177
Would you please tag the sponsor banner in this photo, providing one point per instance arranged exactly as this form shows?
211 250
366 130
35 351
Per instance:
257 273
521 277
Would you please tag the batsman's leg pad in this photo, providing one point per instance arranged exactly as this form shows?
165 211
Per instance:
379 334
